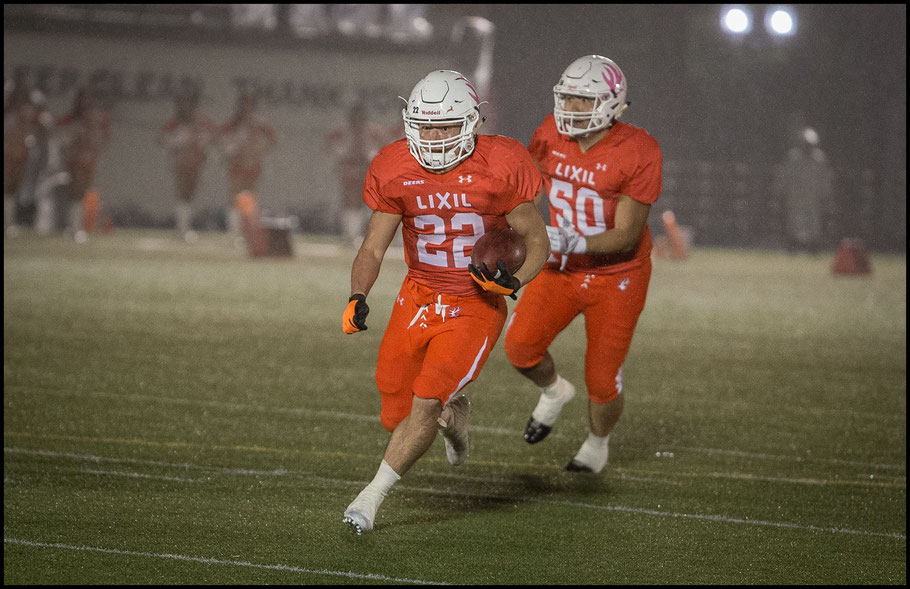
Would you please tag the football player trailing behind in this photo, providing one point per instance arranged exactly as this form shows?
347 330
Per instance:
600 265
599 82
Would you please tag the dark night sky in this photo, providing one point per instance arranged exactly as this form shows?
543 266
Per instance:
702 94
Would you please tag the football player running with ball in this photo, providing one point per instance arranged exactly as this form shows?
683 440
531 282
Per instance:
446 186
601 176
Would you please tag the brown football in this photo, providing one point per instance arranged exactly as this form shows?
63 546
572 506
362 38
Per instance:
499 244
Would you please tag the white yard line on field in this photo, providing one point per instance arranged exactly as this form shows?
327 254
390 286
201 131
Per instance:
866 480
722 519
790 458
182 465
137 475
218 561
474 428
374 418
450 493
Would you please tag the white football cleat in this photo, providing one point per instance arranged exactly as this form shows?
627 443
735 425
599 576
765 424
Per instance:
362 511
358 521
453 425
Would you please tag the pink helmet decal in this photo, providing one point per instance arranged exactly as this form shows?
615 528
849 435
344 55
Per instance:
473 92
614 80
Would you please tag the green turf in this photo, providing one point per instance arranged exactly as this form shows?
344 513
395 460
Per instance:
181 414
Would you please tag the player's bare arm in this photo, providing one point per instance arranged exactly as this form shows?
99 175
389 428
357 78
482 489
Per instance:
365 269
525 219
629 222
543 191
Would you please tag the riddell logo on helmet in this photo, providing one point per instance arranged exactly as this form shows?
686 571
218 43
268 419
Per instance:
431 112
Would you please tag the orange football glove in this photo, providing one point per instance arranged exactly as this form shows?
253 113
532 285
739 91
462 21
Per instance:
355 314
502 282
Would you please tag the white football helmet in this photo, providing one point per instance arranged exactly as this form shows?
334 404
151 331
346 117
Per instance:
443 96
591 76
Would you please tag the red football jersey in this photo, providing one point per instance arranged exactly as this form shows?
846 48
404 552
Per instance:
585 187
444 214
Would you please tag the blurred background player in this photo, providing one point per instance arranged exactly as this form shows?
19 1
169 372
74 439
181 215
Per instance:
26 129
187 135
245 139
601 178
805 182
446 186
84 131
354 146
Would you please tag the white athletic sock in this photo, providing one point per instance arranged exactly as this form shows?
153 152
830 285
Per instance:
184 217
553 389
594 452
44 213
9 211
369 500
384 479
234 223
75 216
552 400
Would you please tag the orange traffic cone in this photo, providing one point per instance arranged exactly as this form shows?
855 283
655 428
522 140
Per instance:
91 204
679 249
851 257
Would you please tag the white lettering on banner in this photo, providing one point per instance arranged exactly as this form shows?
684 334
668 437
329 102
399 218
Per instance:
143 85
441 201
141 78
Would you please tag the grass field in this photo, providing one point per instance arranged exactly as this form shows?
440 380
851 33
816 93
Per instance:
181 414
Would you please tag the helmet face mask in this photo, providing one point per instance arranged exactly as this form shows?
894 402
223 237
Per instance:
443 97
594 77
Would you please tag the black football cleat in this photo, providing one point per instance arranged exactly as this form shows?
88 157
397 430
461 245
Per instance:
576 466
536 431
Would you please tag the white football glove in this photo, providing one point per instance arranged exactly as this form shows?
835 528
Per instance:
565 239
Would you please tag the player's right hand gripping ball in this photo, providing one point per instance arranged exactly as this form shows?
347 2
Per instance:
499 244
502 282
497 255
355 314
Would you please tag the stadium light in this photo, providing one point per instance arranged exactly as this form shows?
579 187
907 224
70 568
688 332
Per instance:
736 20
779 20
